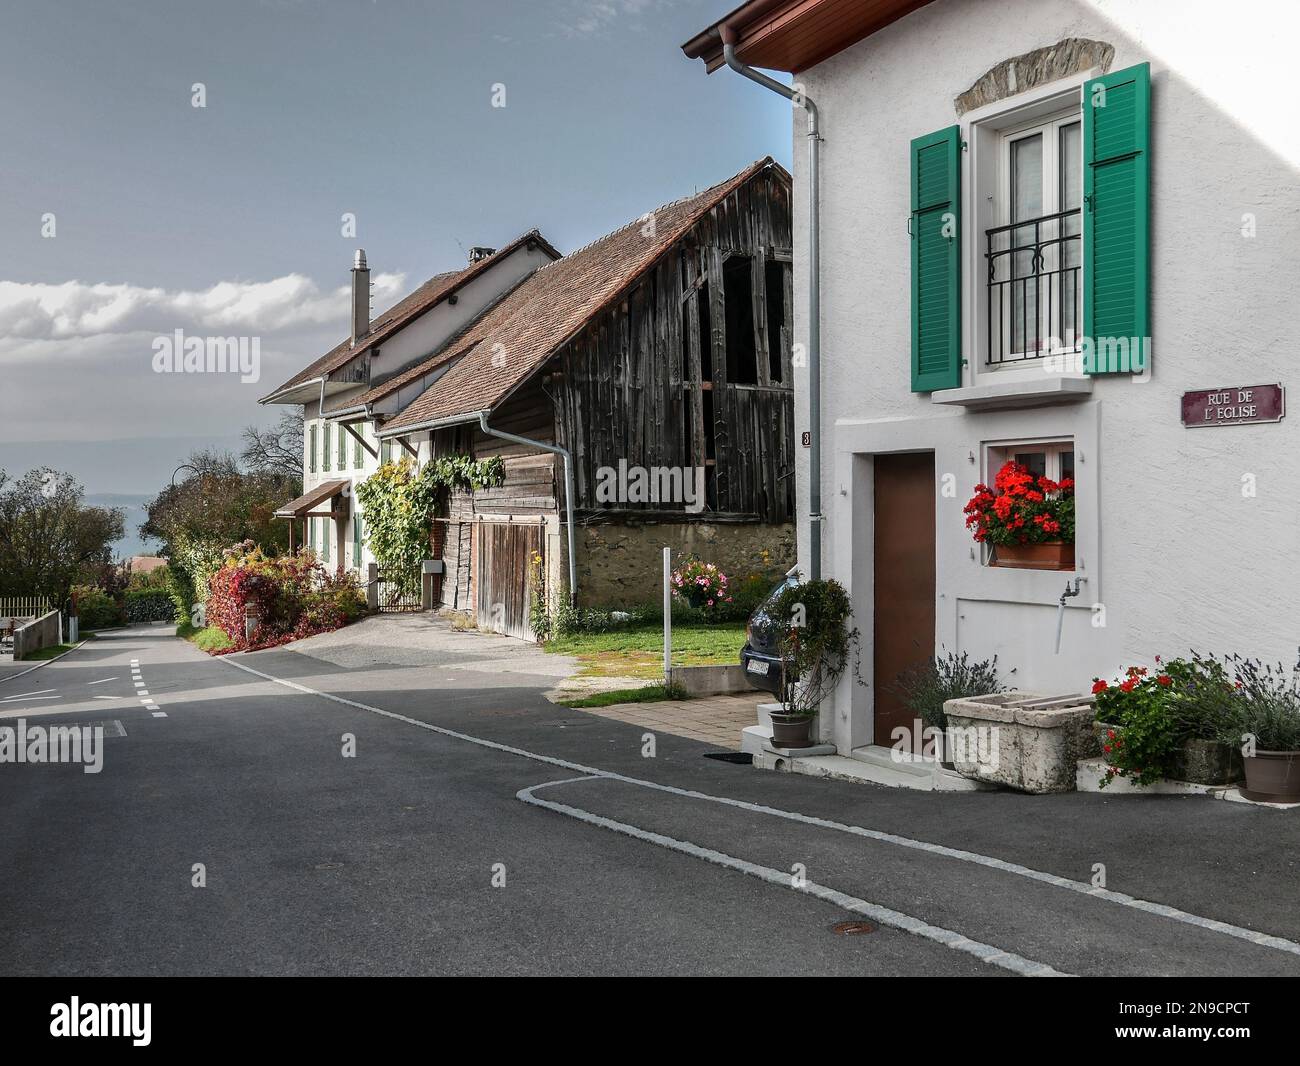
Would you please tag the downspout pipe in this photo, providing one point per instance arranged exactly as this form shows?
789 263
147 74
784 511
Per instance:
563 453
814 292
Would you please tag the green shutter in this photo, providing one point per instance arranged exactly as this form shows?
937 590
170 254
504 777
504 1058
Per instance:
311 449
356 540
1116 220
936 261
343 448
325 539
325 451
356 445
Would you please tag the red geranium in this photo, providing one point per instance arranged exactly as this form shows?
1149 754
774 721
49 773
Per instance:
1021 509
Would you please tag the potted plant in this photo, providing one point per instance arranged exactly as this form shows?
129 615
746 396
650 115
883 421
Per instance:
1265 721
1028 521
812 629
1166 723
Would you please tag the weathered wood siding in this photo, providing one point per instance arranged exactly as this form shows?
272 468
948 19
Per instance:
633 385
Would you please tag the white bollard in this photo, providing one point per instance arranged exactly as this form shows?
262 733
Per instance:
668 615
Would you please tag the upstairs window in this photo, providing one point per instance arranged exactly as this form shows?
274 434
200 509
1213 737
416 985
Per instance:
1033 257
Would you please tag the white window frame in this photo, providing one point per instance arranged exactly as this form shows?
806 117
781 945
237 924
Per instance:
1049 129
983 130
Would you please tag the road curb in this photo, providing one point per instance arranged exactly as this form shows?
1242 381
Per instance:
44 662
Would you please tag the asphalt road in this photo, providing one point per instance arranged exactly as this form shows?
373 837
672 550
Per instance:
392 861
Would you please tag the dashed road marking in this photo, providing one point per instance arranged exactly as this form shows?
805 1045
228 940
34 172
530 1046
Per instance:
101 681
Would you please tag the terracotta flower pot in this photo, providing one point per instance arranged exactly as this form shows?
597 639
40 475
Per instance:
1049 555
790 731
1273 776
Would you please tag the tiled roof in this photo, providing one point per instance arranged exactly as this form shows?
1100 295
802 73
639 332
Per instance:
432 292
507 344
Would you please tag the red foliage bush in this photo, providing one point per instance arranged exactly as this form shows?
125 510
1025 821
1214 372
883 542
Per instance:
292 595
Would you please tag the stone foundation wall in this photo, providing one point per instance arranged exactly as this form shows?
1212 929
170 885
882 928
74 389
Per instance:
621 565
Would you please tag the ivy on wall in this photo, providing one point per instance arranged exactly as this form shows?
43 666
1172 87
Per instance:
401 502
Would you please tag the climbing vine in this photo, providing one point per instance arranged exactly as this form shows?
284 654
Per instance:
400 503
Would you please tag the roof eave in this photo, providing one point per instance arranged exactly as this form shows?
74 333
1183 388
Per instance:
434 423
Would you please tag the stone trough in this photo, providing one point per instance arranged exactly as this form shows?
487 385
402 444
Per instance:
1024 740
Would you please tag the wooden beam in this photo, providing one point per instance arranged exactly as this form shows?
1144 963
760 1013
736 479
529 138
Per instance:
374 452
414 452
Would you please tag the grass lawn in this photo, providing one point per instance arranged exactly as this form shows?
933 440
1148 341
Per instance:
210 639
638 651
47 653
648 694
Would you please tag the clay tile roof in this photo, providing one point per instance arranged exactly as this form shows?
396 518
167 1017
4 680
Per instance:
507 344
432 292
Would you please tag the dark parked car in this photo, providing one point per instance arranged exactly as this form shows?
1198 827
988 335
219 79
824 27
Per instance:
760 657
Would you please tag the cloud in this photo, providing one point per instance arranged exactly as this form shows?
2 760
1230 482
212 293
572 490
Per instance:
77 357
75 310
585 18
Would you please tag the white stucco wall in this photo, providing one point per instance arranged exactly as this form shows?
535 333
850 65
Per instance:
1169 544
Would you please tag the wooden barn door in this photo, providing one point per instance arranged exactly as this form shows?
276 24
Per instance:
504 549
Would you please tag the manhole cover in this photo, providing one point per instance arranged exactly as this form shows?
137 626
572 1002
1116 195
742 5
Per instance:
852 928
742 757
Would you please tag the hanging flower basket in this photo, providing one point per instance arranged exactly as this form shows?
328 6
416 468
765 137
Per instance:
1028 521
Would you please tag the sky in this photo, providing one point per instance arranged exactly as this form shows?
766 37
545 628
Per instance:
128 212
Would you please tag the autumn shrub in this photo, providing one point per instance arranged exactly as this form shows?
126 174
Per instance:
293 597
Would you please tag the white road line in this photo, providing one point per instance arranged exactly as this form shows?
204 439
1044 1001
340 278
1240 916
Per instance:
160 714
101 681
38 698
105 697
1082 887
1007 960
25 695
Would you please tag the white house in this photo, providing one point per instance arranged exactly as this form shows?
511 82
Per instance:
350 392
1062 231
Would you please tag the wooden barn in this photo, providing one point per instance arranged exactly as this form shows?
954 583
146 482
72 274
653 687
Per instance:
642 384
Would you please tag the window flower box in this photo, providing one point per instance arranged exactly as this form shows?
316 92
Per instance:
1028 521
1049 555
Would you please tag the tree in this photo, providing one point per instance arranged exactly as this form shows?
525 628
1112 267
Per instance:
277 450
47 537
217 506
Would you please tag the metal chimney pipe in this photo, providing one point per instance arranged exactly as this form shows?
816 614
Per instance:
360 297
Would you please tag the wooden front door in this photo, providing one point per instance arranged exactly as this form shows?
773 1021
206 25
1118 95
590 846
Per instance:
903 614
504 551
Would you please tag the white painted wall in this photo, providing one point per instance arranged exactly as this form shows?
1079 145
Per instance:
414 342
432 329
1167 541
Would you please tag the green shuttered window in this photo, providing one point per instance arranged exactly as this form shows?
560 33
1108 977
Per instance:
1116 220
311 449
936 261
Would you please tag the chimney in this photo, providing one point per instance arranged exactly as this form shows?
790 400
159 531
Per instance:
360 297
478 253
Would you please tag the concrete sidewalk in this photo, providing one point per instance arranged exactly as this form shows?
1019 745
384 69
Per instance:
715 720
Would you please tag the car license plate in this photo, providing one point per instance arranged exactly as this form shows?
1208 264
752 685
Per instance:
757 666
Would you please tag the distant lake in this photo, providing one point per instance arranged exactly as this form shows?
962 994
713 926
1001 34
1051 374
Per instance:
132 543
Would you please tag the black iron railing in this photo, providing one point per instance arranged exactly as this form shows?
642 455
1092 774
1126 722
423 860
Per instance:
1033 287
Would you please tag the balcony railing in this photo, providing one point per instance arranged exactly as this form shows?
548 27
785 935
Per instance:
1033 288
